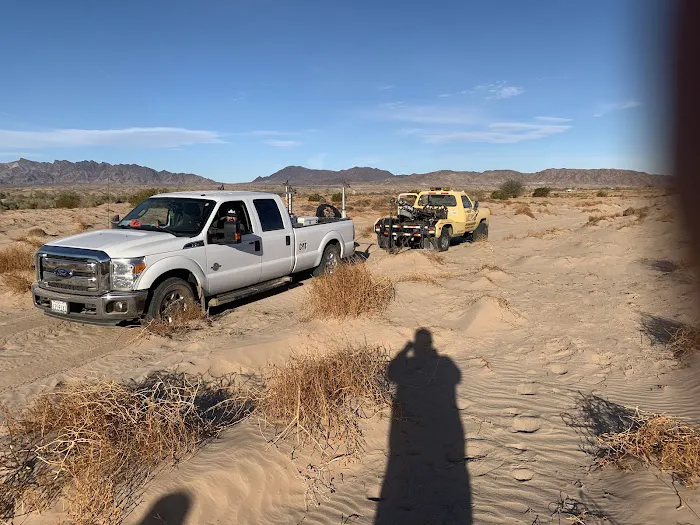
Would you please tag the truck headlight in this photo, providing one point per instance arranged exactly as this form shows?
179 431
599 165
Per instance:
124 272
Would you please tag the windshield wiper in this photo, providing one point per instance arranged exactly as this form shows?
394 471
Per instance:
150 228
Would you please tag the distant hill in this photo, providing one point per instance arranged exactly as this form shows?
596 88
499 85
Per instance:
299 175
564 177
25 172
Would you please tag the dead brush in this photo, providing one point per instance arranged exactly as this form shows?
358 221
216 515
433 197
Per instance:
541 234
417 277
17 257
19 282
178 320
524 209
83 225
94 445
319 399
37 232
434 257
684 341
350 291
655 439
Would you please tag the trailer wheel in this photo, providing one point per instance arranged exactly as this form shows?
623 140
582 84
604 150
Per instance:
443 242
429 243
329 260
382 241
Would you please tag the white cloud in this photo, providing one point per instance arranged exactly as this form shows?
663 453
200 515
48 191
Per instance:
498 90
616 106
554 119
267 133
157 137
386 87
425 114
283 143
498 133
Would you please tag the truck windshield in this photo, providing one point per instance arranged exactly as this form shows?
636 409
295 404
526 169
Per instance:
180 217
437 200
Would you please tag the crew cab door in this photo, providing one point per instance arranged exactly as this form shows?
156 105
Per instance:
232 266
470 213
275 231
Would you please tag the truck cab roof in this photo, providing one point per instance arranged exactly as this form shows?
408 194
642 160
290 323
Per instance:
216 195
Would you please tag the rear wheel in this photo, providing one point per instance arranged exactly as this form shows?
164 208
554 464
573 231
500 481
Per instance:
443 242
329 260
382 241
170 299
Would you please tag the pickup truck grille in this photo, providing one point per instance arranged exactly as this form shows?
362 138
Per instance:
73 270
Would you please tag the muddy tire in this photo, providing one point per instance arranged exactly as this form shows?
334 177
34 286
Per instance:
170 294
481 233
382 241
329 260
443 242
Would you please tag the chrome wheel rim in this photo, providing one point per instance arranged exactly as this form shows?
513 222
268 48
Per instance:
174 301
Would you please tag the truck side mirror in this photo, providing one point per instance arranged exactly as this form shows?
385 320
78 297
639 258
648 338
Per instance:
476 205
232 232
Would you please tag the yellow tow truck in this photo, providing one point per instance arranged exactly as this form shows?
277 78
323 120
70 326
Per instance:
431 218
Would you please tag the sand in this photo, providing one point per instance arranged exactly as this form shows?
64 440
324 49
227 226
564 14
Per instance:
549 315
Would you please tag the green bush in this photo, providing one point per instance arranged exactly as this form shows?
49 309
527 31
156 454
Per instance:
542 192
315 197
137 198
337 197
67 199
512 188
498 195
601 193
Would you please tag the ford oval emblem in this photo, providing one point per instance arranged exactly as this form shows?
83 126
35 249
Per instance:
63 272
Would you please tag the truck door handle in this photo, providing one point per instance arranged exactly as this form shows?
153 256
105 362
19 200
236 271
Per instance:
257 245
289 240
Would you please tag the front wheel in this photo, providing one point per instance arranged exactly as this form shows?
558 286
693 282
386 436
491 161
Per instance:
329 260
170 300
481 233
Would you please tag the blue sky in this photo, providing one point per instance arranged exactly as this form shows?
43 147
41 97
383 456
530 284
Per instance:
236 89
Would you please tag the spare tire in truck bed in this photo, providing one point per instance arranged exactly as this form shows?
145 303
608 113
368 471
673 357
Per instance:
328 210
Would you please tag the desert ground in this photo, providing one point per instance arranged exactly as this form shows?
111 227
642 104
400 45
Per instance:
561 319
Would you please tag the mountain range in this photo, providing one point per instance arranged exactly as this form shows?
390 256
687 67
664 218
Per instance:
25 172
562 177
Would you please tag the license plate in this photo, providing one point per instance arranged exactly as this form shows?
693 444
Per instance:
60 307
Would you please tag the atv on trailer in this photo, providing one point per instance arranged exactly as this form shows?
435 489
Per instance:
432 220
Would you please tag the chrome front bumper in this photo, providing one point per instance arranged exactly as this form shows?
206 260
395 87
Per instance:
101 309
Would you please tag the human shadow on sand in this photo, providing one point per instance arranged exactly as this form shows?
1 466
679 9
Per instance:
426 480
171 509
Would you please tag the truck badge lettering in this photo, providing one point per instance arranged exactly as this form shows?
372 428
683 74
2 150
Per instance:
302 246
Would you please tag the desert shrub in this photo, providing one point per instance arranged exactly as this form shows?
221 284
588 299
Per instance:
67 199
137 198
95 444
512 188
17 257
524 209
363 203
84 225
315 197
18 282
542 192
498 195
641 213
350 291
179 320
477 195
670 444
37 232
601 193
320 398
418 277
337 197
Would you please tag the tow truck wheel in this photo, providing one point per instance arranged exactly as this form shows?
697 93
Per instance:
170 299
382 241
443 242
481 233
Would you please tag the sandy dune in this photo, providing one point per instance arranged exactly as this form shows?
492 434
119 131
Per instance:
553 316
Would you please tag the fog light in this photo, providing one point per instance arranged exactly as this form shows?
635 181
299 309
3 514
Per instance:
120 306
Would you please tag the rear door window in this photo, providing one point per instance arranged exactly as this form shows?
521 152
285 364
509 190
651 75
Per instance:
269 214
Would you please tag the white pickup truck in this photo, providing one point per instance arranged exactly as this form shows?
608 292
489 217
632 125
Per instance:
212 247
